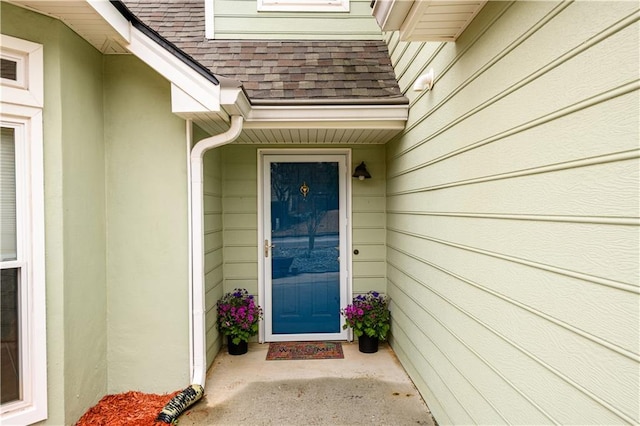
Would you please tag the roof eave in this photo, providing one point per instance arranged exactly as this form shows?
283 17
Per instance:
397 100
329 115
163 42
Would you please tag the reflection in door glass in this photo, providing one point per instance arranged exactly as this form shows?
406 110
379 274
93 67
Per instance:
9 277
306 239
9 333
8 226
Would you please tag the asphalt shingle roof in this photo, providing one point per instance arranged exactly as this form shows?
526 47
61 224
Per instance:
277 70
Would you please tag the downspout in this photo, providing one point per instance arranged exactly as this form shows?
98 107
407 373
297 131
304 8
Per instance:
195 391
198 339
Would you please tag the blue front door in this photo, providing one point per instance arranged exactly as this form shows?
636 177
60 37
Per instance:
305 245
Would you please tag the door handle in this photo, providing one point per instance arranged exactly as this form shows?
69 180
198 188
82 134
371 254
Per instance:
267 246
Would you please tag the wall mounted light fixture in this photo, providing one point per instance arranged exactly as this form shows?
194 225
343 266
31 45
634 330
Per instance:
425 81
361 172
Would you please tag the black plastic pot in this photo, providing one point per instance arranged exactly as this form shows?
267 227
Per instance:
239 349
368 345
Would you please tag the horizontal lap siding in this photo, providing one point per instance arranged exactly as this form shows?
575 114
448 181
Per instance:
240 19
213 249
512 217
368 223
240 218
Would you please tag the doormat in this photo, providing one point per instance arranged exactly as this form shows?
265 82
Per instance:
304 350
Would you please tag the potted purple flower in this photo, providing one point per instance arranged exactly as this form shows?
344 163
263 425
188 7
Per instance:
238 317
370 319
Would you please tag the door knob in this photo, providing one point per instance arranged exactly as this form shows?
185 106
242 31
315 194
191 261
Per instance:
267 246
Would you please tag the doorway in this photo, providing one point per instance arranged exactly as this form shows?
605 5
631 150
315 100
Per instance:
304 243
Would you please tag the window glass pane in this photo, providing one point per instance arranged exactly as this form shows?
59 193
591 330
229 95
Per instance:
9 69
9 357
7 195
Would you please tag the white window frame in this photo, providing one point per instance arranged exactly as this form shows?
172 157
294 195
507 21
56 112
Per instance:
303 5
209 19
21 109
29 88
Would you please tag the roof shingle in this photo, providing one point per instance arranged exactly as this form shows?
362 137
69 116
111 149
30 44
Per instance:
277 70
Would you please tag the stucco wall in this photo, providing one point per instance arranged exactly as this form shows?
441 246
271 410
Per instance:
75 213
512 225
240 19
147 245
83 171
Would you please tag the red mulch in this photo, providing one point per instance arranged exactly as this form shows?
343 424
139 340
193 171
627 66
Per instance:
129 408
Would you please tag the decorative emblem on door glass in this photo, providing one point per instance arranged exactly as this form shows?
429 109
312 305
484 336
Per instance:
304 189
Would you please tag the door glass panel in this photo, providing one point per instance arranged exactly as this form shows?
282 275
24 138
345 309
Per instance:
9 345
305 235
7 194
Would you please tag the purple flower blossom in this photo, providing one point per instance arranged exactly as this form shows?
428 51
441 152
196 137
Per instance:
238 315
368 314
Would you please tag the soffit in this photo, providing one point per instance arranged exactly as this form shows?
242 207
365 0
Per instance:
267 127
426 20
316 136
81 18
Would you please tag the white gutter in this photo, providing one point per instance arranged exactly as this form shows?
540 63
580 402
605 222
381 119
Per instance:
198 329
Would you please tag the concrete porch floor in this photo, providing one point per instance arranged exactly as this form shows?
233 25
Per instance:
361 389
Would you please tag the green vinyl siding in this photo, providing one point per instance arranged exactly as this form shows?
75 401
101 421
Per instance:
240 19
213 246
368 220
231 225
512 217
240 218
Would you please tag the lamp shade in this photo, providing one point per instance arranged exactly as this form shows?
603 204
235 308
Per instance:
361 172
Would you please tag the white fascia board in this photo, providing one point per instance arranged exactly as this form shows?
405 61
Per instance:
209 17
113 17
390 14
235 102
232 100
329 116
191 84
182 102
173 69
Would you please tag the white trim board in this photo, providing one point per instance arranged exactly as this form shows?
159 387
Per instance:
264 268
21 110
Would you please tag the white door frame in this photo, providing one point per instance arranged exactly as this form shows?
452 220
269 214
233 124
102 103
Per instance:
264 216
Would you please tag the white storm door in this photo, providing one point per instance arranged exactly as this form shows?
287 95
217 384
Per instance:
304 245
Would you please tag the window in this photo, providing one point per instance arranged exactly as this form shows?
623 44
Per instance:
21 71
9 69
23 375
10 274
303 5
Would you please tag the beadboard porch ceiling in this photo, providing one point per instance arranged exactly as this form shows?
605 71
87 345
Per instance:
305 134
